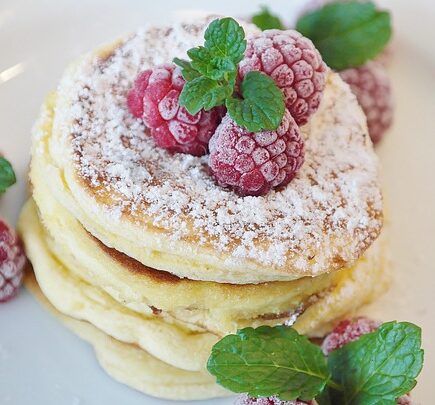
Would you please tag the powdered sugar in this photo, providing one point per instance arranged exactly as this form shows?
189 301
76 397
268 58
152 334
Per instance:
334 199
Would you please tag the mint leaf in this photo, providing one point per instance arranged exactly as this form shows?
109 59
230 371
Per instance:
347 34
269 361
211 74
7 175
324 398
211 66
203 93
379 367
262 106
211 77
265 20
226 38
188 72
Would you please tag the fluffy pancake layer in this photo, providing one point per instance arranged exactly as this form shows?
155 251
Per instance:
206 306
134 367
71 290
166 212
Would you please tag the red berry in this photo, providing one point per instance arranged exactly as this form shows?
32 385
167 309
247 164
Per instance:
135 95
247 400
253 163
154 98
348 331
371 85
12 262
295 65
405 400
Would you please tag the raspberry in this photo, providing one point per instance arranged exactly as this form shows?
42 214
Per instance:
12 262
135 95
348 331
295 65
371 85
154 98
247 400
405 400
253 163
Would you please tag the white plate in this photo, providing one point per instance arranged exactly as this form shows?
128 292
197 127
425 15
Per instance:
43 363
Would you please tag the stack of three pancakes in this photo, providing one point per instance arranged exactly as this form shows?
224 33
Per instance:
144 256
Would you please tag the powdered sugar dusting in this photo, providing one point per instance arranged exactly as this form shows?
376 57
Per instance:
330 212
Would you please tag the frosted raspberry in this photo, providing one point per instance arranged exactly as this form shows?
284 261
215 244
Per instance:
295 65
247 400
135 95
405 400
253 163
12 262
154 98
348 331
371 85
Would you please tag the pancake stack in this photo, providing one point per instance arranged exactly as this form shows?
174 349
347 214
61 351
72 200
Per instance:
144 256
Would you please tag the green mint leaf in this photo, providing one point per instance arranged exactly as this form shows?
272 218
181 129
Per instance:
209 65
265 20
262 106
188 72
347 34
269 361
324 398
7 175
226 38
203 93
379 367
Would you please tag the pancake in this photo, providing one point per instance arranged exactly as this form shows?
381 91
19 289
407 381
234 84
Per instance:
165 210
132 366
68 288
144 256
77 298
206 306
217 307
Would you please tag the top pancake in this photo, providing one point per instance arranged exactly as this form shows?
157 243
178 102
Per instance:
155 206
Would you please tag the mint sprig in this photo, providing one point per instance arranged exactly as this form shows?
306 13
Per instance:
224 48
269 361
378 368
204 93
347 34
265 20
7 175
226 38
208 64
262 105
188 72
211 80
